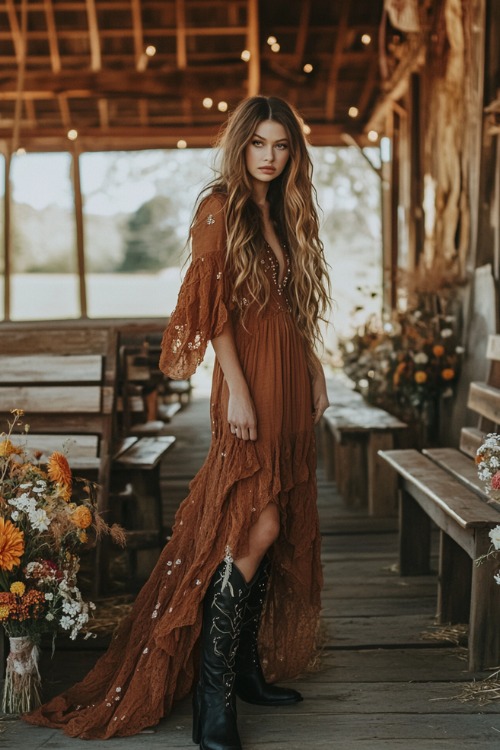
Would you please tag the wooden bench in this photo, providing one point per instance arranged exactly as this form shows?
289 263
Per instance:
65 381
353 434
441 485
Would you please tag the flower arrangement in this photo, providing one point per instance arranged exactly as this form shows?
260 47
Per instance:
488 470
406 363
44 525
488 467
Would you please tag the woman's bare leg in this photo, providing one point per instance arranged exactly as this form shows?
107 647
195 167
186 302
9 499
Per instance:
262 535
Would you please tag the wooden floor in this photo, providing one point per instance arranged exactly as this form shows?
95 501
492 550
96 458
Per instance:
386 682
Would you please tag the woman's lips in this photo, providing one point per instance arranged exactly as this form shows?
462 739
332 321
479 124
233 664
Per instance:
269 170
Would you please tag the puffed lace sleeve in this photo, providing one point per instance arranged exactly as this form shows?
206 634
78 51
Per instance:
202 308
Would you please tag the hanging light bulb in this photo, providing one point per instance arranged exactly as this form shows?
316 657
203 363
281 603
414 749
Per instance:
150 50
246 55
308 68
72 134
353 112
207 102
181 143
366 39
271 40
372 136
222 106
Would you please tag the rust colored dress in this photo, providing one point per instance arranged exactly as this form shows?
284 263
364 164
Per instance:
152 660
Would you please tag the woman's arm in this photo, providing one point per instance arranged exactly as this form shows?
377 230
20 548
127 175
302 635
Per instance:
241 411
319 391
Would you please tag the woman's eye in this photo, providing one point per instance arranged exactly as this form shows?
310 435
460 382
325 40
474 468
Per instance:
256 143
281 146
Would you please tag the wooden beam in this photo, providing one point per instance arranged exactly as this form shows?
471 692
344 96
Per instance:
95 42
15 30
253 83
302 31
65 111
55 58
118 83
331 89
137 139
102 106
21 70
368 89
137 30
180 20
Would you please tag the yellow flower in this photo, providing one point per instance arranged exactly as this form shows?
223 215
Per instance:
58 469
11 545
438 350
82 517
17 588
448 373
64 492
420 376
4 611
7 448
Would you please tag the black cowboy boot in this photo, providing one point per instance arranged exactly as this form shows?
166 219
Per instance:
214 703
250 684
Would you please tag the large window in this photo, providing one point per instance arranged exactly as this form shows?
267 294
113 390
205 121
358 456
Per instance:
44 282
137 207
137 211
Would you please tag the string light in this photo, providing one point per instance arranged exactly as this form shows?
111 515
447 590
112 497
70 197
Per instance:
308 68
150 50
181 144
20 151
271 40
275 47
366 39
245 55
222 106
72 134
306 129
372 136
207 102
353 112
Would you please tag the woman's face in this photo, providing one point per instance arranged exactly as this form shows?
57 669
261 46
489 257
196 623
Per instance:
268 151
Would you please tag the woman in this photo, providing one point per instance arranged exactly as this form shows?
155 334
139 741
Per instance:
256 288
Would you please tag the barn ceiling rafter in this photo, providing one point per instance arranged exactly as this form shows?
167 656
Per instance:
125 73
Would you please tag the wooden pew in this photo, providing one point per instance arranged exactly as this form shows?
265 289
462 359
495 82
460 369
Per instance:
353 434
441 485
65 380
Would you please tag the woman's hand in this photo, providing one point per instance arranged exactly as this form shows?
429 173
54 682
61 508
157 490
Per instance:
320 395
241 416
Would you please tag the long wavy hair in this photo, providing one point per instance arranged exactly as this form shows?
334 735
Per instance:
292 203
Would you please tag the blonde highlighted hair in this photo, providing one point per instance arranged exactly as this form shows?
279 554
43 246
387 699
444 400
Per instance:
292 203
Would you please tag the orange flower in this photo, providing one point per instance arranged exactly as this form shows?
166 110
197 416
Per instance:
82 517
7 448
58 469
420 377
448 373
479 458
4 611
11 545
438 350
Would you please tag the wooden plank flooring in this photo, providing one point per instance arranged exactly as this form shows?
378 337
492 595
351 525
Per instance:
382 685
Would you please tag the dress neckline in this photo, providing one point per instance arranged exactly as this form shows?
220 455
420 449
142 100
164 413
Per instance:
275 266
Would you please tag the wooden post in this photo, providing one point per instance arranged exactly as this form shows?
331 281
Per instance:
382 479
7 239
80 245
414 537
484 636
253 47
454 581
